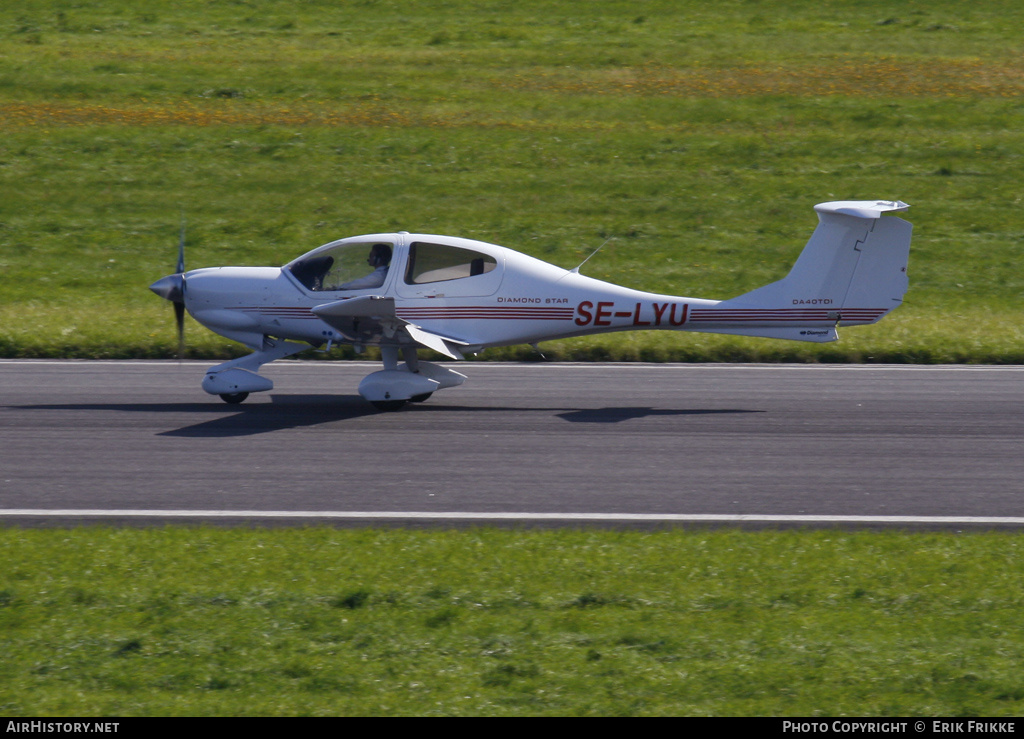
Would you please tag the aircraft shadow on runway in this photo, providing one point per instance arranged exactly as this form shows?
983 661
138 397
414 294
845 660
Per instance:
283 412
298 411
617 415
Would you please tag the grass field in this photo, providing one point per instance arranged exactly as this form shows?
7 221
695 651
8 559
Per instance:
696 135
320 622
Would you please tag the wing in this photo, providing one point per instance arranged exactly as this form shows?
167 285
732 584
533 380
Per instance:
343 315
365 306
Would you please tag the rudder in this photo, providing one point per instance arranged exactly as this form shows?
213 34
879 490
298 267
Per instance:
880 279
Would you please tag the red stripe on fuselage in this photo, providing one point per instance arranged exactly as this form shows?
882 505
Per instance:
486 313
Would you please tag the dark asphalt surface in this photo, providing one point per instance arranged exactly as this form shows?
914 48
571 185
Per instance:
736 440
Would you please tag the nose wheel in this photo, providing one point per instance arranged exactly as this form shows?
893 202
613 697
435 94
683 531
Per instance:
233 398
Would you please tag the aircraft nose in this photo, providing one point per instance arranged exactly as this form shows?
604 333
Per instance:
171 287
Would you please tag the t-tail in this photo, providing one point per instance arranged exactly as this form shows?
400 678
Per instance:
852 272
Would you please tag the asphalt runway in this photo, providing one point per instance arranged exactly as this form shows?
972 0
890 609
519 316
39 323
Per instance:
636 444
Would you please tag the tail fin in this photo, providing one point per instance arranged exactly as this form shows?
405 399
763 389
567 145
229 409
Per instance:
853 271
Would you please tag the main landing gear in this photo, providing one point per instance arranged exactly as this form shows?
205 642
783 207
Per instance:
233 398
387 390
414 381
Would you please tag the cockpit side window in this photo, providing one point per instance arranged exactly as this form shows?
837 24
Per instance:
440 263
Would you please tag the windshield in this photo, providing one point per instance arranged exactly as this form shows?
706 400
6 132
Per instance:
349 266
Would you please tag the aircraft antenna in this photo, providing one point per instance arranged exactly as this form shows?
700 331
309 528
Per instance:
576 269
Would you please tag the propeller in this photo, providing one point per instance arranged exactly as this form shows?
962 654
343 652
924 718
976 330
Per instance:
172 288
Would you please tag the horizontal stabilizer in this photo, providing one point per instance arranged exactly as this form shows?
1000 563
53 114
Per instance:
862 208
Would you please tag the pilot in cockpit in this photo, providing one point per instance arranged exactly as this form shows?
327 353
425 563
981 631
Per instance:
380 260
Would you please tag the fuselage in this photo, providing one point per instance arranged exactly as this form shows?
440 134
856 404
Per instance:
478 294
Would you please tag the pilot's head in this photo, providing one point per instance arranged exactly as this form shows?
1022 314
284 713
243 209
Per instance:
380 255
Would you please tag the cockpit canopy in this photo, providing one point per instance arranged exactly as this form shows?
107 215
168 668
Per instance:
364 263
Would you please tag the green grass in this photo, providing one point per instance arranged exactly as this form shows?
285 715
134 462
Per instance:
697 136
197 621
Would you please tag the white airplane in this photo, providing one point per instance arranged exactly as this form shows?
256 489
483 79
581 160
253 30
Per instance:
403 292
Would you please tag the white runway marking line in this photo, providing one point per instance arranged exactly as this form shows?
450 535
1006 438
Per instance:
507 516
299 364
